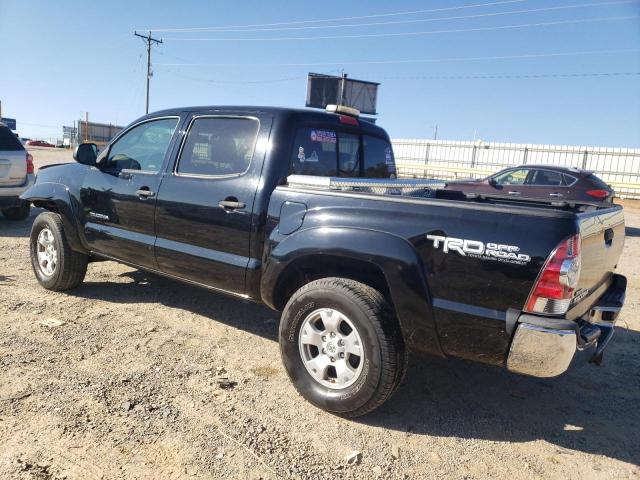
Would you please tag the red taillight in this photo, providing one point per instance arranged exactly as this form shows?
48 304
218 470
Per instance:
598 193
346 119
30 168
558 280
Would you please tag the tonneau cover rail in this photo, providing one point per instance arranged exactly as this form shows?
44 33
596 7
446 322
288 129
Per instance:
421 187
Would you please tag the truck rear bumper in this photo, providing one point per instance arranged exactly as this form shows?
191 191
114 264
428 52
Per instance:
544 347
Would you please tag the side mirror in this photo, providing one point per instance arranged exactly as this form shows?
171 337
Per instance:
86 153
492 181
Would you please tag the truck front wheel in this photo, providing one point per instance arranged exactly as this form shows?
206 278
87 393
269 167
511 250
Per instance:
56 265
341 346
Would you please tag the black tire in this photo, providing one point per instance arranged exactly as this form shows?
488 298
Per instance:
20 212
385 356
70 267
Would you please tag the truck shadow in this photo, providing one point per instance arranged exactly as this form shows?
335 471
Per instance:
632 231
150 288
21 228
589 409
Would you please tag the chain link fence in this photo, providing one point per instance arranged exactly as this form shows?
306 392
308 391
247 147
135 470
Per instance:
441 159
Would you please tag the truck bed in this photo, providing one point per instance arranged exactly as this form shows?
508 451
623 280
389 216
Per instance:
473 297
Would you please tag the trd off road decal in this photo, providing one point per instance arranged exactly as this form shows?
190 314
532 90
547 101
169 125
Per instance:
476 249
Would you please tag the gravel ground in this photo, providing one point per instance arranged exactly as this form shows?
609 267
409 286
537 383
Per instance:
135 376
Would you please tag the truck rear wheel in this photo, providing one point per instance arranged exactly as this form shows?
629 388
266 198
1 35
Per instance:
341 346
56 265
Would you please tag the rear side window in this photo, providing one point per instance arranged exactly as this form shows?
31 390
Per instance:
218 146
330 153
547 178
8 140
568 179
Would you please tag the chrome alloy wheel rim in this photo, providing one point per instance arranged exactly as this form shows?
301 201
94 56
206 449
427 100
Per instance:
331 348
47 252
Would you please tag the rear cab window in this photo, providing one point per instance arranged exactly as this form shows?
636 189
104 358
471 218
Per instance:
331 152
8 140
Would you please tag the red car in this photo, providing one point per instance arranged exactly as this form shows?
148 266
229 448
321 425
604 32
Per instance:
39 143
540 182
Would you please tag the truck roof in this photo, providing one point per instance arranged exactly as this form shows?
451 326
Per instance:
299 114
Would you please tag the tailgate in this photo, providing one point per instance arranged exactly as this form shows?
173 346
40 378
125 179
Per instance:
602 235
13 168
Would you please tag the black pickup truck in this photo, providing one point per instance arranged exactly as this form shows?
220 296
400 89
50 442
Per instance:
270 205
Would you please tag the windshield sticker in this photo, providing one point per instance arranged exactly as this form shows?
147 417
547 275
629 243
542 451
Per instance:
313 157
326 136
301 154
476 249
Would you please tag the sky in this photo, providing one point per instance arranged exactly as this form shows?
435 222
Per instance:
571 75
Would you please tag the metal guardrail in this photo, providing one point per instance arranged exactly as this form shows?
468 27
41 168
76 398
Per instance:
619 167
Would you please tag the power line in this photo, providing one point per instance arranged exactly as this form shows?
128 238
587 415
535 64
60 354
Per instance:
234 82
405 34
388 62
475 76
297 22
438 19
37 125
482 76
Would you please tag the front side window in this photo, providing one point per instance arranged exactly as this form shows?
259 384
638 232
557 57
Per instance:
143 147
315 152
218 146
511 177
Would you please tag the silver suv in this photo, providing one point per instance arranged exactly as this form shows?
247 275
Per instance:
16 175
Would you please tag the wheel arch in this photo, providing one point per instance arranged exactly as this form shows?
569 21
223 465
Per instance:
55 197
383 261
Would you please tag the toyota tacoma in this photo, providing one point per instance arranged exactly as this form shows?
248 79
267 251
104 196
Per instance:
301 210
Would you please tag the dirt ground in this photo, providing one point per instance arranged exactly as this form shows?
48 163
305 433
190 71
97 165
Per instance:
121 378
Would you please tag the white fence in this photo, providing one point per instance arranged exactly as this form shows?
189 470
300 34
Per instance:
418 158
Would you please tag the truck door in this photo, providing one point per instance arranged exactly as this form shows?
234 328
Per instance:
204 209
119 196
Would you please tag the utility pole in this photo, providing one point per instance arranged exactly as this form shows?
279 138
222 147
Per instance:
148 40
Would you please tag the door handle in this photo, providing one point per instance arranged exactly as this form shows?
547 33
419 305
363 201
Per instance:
514 193
556 195
231 204
144 193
